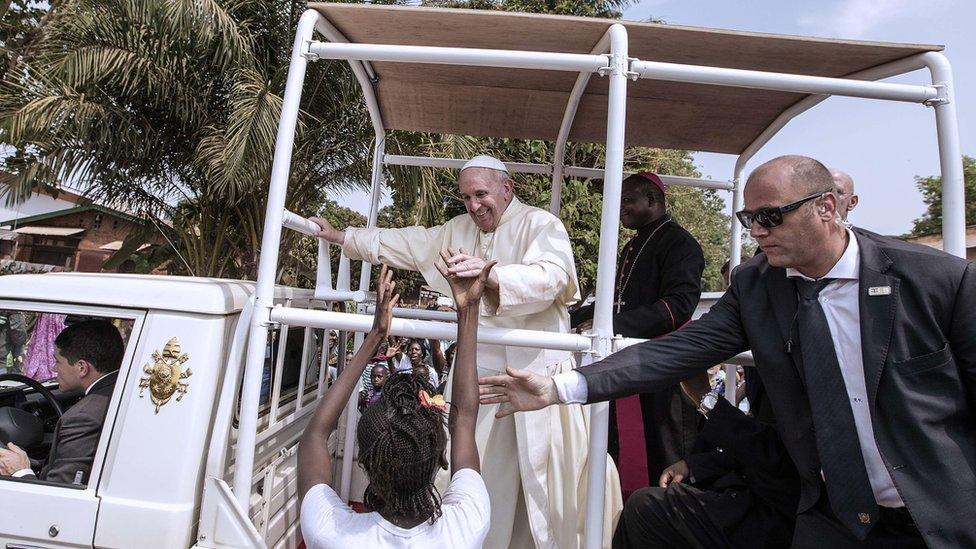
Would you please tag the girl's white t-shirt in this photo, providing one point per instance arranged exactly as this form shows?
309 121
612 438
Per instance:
329 523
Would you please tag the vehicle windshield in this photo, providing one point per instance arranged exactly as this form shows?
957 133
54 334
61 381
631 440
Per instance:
27 341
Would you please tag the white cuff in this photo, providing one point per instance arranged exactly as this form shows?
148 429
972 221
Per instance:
23 473
570 387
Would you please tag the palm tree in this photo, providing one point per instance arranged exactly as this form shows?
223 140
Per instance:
170 108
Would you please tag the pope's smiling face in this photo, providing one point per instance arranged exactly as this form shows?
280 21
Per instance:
486 194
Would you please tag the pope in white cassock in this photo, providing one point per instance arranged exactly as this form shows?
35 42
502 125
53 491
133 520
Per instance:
534 464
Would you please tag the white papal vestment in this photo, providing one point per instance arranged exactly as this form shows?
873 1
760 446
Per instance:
540 456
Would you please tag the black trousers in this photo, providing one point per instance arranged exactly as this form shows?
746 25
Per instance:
817 527
683 516
672 517
670 428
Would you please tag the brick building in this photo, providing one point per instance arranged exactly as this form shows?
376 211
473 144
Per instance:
935 241
79 238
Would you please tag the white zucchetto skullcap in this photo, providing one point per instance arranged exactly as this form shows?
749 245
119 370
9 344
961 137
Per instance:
485 161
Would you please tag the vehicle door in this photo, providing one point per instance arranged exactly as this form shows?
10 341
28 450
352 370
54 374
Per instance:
37 513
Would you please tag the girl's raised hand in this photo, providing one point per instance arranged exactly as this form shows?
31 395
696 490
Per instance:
467 290
386 300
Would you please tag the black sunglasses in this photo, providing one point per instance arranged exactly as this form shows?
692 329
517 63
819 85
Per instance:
772 217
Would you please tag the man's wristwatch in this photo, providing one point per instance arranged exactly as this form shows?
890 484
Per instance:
708 402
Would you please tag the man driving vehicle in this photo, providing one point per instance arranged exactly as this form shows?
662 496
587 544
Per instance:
87 358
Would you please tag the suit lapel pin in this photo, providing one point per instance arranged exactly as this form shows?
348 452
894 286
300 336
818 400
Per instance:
879 290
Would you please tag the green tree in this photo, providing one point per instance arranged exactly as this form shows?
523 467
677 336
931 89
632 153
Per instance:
931 189
19 24
170 108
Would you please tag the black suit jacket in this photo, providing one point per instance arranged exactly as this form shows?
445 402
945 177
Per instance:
919 353
664 286
76 436
734 450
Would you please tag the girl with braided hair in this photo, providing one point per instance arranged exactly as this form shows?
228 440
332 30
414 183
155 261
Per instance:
402 442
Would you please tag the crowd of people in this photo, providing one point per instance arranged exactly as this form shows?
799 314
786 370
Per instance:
854 428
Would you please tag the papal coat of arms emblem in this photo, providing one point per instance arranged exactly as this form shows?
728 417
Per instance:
165 377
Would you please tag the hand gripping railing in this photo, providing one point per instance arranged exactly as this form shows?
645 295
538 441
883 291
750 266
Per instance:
323 270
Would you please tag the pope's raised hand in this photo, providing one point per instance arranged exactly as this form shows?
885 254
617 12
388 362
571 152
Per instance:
518 391
386 300
467 290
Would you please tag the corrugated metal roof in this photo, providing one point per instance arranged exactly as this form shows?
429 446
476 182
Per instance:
49 231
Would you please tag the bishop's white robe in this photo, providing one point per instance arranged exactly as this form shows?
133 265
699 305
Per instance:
533 463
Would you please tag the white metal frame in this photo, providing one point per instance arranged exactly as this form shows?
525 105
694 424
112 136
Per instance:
608 58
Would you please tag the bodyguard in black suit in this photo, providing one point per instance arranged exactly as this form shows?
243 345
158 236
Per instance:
87 358
872 379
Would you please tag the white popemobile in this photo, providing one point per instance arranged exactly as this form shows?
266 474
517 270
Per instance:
219 376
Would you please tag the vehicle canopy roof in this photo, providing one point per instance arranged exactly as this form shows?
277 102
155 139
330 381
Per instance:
529 104
214 296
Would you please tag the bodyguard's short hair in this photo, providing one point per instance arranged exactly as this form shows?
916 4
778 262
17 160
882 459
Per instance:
97 342
806 174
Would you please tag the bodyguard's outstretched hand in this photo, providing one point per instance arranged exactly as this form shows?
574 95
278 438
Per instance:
518 391
469 287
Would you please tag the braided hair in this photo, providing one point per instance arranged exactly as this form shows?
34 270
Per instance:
401 445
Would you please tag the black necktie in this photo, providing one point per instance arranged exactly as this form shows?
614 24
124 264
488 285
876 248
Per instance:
846 477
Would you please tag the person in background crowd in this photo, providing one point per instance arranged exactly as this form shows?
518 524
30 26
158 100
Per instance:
448 364
377 375
844 188
13 337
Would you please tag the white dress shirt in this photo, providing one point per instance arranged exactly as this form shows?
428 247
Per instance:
839 301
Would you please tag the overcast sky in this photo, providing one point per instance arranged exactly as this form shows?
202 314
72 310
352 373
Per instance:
882 145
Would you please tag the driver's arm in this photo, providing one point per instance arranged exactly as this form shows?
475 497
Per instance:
15 463
73 451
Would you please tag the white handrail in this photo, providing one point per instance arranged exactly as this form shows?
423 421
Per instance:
298 223
324 289
799 83
596 465
428 329
418 314
458 163
569 115
268 262
471 57
950 157
528 167
676 180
